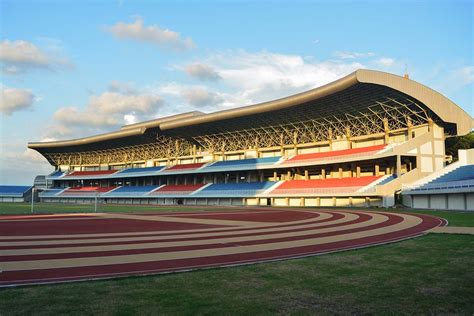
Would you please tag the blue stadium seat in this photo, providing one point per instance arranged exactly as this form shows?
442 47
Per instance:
56 174
241 164
460 174
50 193
131 191
13 190
243 189
141 170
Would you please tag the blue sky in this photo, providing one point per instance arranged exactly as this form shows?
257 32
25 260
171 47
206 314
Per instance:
72 69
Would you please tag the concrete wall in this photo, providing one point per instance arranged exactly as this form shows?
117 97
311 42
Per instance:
448 201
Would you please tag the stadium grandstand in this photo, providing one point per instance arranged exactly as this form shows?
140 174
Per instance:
357 141
15 193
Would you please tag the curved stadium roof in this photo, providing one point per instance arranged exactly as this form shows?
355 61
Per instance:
352 94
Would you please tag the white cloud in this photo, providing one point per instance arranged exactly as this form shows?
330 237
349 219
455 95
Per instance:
108 110
464 75
13 100
19 165
202 72
201 97
385 61
264 76
249 78
352 55
153 34
20 56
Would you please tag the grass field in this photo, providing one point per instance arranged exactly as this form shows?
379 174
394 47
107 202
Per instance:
428 275
432 274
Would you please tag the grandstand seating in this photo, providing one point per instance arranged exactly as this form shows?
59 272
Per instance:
243 164
56 174
322 186
140 170
13 190
243 189
463 175
90 173
131 191
335 154
178 190
50 193
189 166
86 191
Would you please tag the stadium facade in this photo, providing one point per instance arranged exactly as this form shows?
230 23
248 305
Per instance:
353 142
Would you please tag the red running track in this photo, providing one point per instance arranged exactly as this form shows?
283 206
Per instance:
62 248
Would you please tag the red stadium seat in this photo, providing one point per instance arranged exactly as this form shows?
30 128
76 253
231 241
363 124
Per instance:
319 186
186 166
90 173
335 153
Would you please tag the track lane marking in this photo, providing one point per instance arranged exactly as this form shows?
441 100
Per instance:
376 219
349 217
409 222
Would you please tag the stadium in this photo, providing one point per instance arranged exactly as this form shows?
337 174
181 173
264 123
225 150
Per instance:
353 164
369 139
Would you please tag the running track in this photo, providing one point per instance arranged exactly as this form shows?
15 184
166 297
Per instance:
60 248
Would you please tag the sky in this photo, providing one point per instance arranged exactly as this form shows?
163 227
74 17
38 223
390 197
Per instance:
72 69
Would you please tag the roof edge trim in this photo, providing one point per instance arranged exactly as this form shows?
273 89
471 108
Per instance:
88 140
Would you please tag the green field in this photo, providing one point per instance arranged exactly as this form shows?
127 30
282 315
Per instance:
432 274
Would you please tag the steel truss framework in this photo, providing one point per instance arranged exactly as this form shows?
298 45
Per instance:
381 117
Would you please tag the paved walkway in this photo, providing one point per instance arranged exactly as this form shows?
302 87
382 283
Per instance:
453 230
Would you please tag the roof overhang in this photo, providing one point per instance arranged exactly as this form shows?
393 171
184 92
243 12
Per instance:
341 93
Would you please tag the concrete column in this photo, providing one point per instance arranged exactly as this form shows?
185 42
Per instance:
302 201
358 171
377 170
287 201
409 128
386 131
323 173
330 138
340 173
318 201
288 175
275 176
306 175
399 166
237 178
